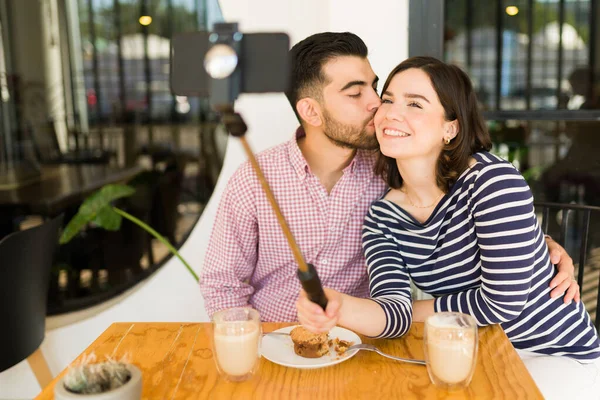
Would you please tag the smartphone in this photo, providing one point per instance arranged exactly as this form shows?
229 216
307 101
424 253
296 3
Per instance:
263 64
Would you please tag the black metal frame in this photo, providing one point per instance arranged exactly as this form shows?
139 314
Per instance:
568 210
427 18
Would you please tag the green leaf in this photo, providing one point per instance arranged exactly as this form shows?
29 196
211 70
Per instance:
78 222
108 219
102 198
97 208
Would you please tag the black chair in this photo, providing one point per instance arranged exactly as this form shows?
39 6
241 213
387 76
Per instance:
573 225
47 149
24 279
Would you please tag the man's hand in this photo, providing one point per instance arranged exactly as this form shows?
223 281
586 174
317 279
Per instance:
564 281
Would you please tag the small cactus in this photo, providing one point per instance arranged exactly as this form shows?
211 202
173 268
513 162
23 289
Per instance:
88 377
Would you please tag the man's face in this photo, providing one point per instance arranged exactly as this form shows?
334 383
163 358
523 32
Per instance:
349 102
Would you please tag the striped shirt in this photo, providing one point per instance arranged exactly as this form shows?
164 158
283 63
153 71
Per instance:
481 252
249 261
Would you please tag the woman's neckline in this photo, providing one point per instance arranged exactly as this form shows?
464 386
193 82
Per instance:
445 197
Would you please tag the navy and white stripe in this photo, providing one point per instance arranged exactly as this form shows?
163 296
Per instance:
482 252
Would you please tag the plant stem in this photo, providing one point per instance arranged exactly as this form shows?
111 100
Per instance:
157 235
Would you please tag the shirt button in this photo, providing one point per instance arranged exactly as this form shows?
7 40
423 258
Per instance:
324 262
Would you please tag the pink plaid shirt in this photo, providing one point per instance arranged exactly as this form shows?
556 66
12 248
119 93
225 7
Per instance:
249 262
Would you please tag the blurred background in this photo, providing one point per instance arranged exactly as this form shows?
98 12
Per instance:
85 101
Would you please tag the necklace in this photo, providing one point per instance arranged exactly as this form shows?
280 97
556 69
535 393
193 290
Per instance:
416 206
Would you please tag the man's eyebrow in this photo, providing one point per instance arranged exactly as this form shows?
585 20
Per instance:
358 83
415 96
353 83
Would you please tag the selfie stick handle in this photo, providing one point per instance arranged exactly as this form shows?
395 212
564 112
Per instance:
306 272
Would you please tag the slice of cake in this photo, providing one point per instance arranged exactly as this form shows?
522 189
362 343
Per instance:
308 344
340 346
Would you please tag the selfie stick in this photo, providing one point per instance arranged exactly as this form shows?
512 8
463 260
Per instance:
307 273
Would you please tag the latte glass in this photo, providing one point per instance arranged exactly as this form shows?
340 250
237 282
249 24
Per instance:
236 338
451 344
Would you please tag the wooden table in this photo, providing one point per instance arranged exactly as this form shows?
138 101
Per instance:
177 363
62 186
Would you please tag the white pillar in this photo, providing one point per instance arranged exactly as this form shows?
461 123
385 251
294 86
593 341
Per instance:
53 71
71 36
37 59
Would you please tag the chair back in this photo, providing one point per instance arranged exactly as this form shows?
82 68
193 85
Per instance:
45 142
25 267
573 224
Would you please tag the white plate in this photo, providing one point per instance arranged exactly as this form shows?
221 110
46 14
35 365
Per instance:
280 349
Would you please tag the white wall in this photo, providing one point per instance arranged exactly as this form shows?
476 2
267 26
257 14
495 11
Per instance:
170 295
382 24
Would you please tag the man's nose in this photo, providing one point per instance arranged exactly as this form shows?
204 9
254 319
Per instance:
374 103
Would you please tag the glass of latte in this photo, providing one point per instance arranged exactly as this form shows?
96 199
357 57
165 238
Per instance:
451 349
236 342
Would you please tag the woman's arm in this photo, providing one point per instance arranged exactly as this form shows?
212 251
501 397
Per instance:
389 281
509 242
360 315
422 309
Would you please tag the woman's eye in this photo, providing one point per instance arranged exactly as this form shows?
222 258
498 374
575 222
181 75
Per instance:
386 101
354 96
414 104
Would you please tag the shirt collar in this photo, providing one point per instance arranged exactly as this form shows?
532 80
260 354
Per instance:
362 161
296 157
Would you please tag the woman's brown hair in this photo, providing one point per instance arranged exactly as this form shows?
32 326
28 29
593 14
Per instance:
455 91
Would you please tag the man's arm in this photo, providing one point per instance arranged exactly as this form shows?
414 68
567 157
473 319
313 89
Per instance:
564 282
232 251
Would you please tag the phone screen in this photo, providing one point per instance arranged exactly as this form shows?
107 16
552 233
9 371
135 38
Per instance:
264 63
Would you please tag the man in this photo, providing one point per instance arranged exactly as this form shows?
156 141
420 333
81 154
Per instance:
323 181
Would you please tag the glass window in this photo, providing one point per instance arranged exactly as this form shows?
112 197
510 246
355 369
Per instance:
544 51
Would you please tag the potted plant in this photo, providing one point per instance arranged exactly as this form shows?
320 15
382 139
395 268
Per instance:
111 379
100 381
98 209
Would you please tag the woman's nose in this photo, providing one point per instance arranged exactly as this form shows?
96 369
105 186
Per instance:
394 113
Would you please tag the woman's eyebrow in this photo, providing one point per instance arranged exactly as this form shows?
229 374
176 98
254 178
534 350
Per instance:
415 96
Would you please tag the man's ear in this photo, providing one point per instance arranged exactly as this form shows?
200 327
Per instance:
309 111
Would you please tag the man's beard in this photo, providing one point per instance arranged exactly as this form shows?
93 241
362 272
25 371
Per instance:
349 136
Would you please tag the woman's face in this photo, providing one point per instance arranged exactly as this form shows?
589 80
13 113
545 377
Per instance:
410 122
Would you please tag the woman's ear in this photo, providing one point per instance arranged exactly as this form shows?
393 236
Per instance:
452 129
309 111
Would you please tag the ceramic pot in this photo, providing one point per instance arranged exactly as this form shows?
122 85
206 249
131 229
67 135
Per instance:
132 390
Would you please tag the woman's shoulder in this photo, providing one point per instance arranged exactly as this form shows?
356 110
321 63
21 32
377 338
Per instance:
488 166
385 208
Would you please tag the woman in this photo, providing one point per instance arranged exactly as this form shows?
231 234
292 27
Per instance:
457 221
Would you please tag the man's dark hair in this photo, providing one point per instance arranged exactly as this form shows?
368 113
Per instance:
308 57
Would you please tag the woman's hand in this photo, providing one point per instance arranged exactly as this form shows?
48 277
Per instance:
312 316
